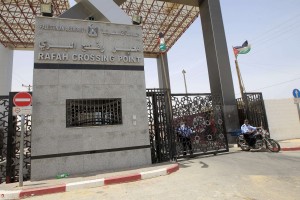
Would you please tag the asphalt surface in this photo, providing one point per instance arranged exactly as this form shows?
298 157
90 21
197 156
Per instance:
231 175
234 176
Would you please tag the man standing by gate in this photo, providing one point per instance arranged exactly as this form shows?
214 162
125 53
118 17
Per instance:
184 134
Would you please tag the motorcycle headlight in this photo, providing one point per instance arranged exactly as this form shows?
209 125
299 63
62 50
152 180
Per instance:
267 134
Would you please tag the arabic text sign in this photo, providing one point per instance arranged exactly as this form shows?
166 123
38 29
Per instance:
63 41
27 110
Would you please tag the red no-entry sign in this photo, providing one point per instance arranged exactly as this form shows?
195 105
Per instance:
22 99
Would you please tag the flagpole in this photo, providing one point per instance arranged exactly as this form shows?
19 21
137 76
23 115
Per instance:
245 48
242 88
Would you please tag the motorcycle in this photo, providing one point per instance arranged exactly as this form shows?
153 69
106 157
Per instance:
263 140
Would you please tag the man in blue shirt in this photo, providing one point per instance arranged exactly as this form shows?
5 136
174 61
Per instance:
184 133
249 133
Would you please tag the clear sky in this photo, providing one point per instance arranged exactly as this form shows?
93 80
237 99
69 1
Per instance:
272 67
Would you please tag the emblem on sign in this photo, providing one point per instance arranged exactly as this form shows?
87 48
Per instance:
92 31
17 109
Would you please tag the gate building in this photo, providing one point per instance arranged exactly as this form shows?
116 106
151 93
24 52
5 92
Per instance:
89 101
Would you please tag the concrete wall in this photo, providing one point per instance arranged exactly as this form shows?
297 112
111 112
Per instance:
283 119
51 137
6 67
57 149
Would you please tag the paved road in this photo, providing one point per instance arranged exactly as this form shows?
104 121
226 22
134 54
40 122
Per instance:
235 176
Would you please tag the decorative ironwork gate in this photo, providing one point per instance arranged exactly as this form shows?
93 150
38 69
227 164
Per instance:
10 148
4 110
160 128
253 108
202 114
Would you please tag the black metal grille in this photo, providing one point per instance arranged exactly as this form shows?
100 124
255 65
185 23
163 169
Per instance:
160 129
15 164
203 114
10 149
93 112
4 108
253 108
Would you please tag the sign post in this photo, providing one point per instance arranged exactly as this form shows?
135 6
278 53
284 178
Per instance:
22 101
21 151
296 94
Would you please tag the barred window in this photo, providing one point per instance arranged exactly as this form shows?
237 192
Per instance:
93 112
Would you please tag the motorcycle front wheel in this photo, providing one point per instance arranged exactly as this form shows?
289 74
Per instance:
272 145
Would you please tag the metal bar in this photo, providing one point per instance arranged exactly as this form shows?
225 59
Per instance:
4 103
168 15
10 146
21 152
10 28
190 94
156 128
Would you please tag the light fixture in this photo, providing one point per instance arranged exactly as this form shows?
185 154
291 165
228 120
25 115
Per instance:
162 43
136 19
46 9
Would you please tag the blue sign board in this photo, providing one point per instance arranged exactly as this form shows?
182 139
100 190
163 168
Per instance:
296 93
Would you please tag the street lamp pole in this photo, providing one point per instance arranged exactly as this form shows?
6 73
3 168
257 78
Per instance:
184 72
27 86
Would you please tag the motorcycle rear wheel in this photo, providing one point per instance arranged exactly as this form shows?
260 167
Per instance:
244 146
272 145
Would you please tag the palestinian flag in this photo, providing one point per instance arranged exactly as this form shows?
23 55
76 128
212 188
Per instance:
245 48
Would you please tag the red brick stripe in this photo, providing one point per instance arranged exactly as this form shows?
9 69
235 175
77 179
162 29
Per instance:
122 179
291 149
107 181
42 191
172 169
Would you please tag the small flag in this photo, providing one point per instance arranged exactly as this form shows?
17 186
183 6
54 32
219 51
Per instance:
245 48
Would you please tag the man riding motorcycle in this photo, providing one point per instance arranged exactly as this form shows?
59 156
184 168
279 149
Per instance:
249 133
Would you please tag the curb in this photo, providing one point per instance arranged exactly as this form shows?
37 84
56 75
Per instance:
290 149
19 194
281 149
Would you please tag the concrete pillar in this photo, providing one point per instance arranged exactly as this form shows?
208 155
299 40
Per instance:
6 66
163 71
219 70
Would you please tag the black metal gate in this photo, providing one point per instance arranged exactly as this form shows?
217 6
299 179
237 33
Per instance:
253 108
10 132
4 110
202 113
160 127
